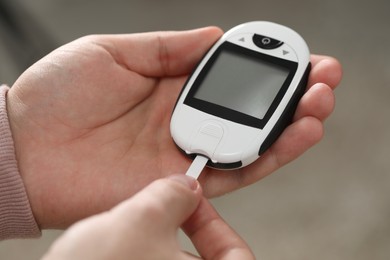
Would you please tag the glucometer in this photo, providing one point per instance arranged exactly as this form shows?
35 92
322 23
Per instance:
242 95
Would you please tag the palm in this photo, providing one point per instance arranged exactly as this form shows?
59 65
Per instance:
95 126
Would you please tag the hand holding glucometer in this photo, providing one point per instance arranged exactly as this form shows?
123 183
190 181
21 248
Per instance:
241 96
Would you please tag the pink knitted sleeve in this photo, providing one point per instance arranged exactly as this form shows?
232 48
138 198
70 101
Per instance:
16 217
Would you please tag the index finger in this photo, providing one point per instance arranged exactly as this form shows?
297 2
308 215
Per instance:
212 237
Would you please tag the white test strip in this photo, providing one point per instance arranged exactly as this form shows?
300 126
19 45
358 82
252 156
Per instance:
197 166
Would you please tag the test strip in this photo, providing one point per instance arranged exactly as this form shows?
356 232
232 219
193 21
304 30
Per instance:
197 166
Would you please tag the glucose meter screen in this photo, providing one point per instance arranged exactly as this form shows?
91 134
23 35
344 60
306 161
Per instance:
243 83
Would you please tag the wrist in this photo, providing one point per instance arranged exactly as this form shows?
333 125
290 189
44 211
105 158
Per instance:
17 219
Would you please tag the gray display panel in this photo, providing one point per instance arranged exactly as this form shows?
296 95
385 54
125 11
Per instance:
245 84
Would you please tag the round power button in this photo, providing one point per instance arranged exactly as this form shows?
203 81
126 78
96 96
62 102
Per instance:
265 42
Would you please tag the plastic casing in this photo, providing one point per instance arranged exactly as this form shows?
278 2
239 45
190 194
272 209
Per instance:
227 144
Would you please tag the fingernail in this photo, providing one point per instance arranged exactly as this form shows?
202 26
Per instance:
185 180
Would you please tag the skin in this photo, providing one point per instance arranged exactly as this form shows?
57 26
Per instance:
145 227
90 122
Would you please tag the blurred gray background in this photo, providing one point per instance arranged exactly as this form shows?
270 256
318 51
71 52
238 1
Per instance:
331 203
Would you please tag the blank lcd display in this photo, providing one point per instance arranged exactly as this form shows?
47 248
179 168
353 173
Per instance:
242 83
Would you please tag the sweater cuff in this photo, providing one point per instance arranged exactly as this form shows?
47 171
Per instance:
16 217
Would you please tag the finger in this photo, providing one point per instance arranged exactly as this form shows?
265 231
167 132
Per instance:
316 58
318 101
326 70
161 53
164 204
294 141
212 237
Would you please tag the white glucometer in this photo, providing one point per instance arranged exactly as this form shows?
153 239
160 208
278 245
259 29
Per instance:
242 94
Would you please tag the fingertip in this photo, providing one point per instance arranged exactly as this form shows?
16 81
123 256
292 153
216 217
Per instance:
212 30
314 130
307 131
296 139
185 180
336 71
327 70
326 99
183 50
165 202
318 101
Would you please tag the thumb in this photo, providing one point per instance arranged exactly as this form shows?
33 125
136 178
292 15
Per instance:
159 54
165 203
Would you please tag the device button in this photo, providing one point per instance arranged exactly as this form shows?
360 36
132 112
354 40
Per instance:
207 139
265 42
213 130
